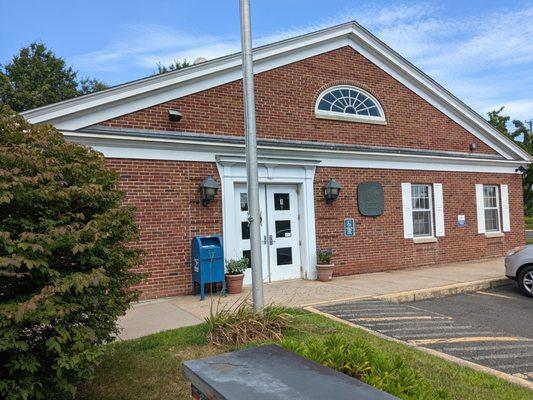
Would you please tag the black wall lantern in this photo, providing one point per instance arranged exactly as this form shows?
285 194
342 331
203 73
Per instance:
332 190
174 115
209 189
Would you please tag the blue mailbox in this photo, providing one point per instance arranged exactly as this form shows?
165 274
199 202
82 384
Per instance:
207 262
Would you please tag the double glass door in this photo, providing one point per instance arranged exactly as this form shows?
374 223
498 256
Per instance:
280 238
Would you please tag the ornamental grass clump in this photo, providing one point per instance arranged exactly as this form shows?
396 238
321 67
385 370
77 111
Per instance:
65 262
239 324
359 360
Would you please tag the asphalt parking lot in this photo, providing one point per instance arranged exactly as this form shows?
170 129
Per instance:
493 328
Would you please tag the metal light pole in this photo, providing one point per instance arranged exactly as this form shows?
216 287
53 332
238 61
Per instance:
251 155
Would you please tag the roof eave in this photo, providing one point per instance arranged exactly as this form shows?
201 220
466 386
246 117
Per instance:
115 95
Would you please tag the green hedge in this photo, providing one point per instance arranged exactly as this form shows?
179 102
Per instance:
359 360
64 260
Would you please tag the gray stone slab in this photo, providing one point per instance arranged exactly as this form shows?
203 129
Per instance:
271 372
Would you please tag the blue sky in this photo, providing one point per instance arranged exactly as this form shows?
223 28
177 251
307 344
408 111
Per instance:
481 50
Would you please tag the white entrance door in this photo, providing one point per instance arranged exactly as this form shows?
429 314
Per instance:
283 232
280 244
243 230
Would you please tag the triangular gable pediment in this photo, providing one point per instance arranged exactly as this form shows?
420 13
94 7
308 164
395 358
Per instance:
77 113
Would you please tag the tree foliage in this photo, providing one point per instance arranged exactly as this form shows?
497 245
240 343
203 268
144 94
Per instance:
37 77
522 137
90 85
65 262
161 69
501 123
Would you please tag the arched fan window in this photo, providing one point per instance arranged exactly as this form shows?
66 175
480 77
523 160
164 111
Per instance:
349 103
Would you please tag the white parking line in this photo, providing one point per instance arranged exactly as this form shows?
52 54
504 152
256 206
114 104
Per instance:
515 366
414 317
364 303
468 339
366 313
424 328
489 348
411 323
440 334
337 310
502 356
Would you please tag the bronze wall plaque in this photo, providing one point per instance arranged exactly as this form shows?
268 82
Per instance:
370 199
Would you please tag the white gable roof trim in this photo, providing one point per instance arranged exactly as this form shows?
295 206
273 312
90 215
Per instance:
189 148
91 109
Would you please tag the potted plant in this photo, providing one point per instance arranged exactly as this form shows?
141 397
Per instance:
324 266
235 274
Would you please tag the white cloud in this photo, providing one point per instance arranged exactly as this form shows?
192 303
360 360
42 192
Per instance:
145 46
486 60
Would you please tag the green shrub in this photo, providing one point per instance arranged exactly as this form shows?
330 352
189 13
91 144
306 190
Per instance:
529 222
324 256
64 260
236 267
361 361
238 324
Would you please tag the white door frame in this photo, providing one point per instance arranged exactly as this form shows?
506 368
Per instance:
298 172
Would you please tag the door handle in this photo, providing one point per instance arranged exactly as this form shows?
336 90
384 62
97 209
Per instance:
270 241
264 239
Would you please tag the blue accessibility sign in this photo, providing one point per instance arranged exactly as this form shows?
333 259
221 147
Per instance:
349 227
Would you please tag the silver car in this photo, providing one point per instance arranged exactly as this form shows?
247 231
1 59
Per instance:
519 266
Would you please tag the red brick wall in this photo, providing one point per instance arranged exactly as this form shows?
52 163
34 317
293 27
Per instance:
166 193
285 100
169 213
379 244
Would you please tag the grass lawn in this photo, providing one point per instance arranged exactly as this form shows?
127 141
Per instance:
149 367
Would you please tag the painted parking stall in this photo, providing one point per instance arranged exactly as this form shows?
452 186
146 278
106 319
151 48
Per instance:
485 327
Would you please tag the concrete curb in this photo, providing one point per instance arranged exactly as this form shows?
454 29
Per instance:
480 368
443 291
422 294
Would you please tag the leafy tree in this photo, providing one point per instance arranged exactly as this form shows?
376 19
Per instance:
161 69
90 85
65 262
501 123
37 77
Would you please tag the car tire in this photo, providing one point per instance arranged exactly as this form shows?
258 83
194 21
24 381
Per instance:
524 277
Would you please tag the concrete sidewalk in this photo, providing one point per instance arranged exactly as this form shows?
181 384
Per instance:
153 316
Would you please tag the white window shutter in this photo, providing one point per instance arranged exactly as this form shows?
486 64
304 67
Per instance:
506 219
439 209
480 209
407 211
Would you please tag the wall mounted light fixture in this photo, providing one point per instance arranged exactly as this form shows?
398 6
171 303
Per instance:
174 115
208 189
332 190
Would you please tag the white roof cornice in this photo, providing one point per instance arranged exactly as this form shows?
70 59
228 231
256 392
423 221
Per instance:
123 99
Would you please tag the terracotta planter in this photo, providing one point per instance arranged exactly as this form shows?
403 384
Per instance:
324 272
234 283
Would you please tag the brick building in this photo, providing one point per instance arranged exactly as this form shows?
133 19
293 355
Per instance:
334 104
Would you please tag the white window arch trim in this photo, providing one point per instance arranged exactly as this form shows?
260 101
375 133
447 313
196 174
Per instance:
335 115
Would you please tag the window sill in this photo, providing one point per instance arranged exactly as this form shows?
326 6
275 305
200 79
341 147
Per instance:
351 118
425 240
494 234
